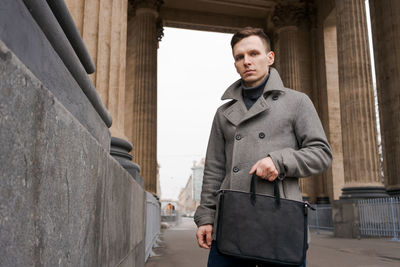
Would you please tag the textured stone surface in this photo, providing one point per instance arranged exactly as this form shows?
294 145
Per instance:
120 149
102 25
326 93
386 33
294 63
24 37
63 199
359 134
143 86
346 221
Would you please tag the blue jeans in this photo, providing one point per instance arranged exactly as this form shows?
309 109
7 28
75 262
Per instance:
216 259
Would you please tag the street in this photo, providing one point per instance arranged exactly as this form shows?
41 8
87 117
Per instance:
179 249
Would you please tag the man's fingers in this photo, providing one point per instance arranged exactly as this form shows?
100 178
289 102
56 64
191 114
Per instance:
208 238
259 172
265 169
254 168
204 242
203 236
272 176
201 241
200 238
204 245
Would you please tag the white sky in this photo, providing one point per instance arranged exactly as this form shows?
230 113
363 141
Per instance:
194 70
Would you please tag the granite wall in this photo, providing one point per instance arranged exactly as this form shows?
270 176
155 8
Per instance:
64 201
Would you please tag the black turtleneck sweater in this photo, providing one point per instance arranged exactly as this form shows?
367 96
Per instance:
251 94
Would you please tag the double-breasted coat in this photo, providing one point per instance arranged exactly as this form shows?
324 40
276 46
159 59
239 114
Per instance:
282 124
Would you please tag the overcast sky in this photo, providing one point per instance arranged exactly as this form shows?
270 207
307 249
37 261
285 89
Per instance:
194 70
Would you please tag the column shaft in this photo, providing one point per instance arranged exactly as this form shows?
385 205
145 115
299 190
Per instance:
293 61
295 70
130 78
289 65
330 104
144 126
386 36
102 25
90 31
360 150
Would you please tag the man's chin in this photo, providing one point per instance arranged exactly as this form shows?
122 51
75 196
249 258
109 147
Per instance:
249 80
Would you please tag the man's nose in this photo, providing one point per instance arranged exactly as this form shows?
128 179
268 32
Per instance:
246 60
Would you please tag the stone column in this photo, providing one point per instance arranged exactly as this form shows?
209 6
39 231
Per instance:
330 101
143 86
293 56
360 149
103 25
293 61
386 37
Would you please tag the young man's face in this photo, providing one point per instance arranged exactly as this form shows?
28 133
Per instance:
252 60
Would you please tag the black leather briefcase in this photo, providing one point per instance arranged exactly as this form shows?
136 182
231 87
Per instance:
263 228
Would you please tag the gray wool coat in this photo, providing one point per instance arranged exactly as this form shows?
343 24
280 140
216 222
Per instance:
282 124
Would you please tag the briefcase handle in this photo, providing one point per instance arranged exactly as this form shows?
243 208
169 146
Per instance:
253 190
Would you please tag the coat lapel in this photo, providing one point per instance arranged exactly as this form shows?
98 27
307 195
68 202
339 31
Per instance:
237 112
260 106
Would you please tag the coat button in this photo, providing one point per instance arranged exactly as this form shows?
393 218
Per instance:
235 169
261 135
238 137
275 97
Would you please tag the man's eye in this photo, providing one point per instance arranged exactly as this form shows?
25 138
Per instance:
254 54
239 58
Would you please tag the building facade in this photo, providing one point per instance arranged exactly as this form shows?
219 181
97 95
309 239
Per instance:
189 197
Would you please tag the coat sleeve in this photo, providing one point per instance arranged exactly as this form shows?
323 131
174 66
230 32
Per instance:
214 173
314 154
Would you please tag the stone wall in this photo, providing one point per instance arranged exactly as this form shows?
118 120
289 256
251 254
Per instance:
63 199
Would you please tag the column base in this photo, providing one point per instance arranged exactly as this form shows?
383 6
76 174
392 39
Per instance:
346 221
120 149
394 192
363 192
323 200
306 198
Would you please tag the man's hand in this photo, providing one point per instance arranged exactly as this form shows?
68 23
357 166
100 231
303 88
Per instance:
204 236
265 169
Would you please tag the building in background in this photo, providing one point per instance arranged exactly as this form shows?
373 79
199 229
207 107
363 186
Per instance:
189 197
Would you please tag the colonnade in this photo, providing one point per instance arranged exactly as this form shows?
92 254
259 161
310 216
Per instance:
119 34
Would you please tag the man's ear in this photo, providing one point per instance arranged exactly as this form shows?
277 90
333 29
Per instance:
270 58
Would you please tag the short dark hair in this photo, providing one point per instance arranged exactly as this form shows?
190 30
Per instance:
249 31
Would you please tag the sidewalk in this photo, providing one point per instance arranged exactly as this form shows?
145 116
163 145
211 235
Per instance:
179 249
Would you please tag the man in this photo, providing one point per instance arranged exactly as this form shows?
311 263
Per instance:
267 129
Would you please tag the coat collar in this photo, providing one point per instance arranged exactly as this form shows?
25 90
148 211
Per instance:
237 112
235 90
